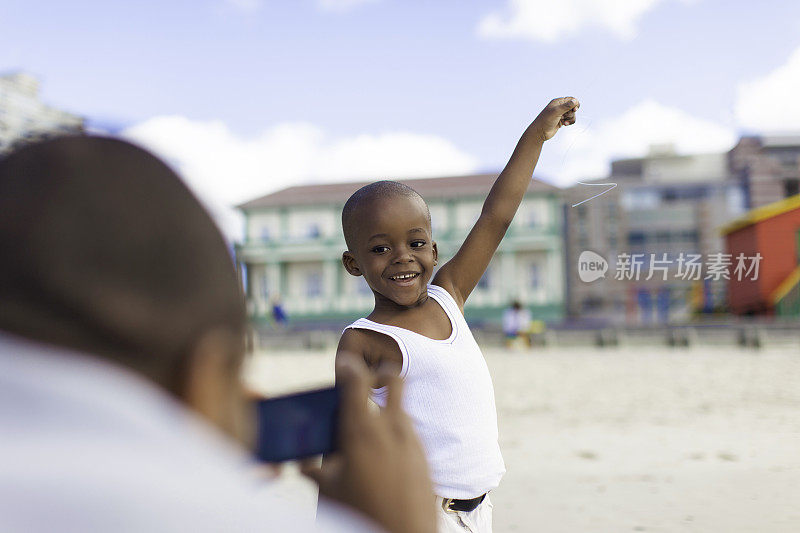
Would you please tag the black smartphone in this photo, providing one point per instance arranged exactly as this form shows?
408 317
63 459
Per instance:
297 425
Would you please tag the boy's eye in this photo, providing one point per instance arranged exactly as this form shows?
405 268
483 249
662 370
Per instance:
418 244
379 249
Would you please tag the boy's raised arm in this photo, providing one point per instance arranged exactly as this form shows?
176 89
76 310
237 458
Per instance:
461 274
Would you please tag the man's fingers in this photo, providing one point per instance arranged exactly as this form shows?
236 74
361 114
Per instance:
313 472
321 475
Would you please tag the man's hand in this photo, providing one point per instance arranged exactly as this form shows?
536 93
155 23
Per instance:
559 112
380 468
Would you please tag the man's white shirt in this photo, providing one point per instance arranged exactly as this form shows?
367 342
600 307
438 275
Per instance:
88 446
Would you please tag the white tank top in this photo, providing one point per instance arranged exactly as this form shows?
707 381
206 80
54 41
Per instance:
450 398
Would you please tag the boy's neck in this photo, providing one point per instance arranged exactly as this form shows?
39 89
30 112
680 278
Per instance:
387 309
426 317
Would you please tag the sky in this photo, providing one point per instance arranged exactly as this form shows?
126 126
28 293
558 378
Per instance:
245 97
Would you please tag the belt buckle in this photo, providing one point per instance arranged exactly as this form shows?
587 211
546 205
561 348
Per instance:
446 503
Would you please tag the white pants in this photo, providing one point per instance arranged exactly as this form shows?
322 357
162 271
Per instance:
478 520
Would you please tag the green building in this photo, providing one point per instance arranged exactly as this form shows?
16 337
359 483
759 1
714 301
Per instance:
293 248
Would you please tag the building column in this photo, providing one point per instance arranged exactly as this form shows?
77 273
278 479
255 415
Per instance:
554 283
281 279
509 286
274 279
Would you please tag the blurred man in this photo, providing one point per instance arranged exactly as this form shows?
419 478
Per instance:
121 331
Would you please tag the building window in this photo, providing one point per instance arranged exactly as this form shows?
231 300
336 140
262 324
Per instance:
362 287
532 220
313 285
313 231
534 276
791 187
690 236
637 238
265 234
485 282
640 199
736 199
592 303
438 219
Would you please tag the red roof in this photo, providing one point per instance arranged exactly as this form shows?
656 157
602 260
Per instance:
428 188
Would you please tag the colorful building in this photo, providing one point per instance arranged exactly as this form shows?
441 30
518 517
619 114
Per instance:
293 248
773 231
768 166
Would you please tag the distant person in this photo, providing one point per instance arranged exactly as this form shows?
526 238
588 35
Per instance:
278 313
121 333
517 325
420 327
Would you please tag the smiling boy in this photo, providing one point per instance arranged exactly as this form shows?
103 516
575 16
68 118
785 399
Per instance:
420 328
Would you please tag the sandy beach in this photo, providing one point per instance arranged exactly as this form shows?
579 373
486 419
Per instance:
632 439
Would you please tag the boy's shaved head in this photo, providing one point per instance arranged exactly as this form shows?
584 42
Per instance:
367 196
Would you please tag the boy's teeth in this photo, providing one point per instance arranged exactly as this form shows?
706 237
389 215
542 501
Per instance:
404 276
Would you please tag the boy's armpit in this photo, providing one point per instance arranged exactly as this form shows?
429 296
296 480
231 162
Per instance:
443 280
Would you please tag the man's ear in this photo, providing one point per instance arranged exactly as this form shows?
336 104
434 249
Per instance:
350 264
212 385
435 254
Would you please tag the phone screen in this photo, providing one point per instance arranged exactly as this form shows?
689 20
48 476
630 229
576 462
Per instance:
298 425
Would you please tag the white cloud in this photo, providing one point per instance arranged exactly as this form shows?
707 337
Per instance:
550 22
772 102
584 151
224 169
342 5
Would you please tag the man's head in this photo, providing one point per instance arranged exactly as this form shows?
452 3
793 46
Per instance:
106 251
387 227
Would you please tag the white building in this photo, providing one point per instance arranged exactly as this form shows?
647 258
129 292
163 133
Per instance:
24 117
294 244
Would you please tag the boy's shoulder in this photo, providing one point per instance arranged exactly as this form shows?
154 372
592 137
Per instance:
373 346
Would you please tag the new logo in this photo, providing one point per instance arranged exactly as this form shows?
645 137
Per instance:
591 266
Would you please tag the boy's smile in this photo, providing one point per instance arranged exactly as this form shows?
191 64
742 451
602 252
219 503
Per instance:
393 250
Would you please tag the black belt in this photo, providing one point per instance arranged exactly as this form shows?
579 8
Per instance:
453 505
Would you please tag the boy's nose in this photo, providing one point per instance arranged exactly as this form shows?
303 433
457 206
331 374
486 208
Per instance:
403 255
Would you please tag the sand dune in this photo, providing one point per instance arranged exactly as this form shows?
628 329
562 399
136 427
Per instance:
625 440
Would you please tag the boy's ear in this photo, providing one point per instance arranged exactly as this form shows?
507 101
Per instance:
350 264
435 253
